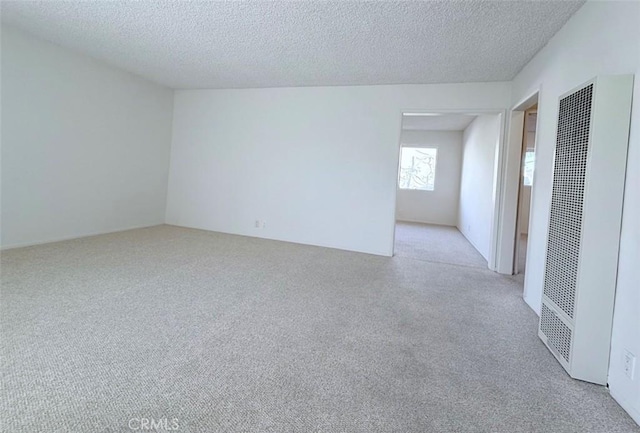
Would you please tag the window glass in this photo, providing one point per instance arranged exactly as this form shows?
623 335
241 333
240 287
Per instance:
529 166
418 168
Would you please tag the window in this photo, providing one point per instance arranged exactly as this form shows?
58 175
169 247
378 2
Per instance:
417 168
529 166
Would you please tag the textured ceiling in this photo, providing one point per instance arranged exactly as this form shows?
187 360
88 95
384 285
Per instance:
270 44
441 122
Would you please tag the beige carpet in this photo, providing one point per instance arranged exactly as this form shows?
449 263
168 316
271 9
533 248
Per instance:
435 243
224 333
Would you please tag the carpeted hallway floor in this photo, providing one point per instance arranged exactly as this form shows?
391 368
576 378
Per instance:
234 334
435 243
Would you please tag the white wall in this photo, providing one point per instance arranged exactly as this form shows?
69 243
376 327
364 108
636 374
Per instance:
601 38
85 147
318 164
475 214
439 206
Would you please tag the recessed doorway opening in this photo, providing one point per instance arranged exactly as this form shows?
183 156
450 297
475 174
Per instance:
447 164
522 144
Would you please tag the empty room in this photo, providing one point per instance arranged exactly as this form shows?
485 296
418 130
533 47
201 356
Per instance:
383 216
445 185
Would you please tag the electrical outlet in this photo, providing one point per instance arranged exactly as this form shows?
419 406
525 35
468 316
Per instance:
629 364
264 224
258 224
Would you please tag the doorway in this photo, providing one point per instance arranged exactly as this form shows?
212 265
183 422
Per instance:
444 204
517 190
527 170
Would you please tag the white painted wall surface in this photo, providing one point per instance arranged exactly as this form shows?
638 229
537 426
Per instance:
601 38
475 214
439 206
317 164
85 147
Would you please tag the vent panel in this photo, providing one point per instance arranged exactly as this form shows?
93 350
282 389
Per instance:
581 260
565 224
558 334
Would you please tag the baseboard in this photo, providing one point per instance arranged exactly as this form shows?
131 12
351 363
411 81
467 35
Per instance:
536 308
633 412
69 238
424 222
279 239
472 243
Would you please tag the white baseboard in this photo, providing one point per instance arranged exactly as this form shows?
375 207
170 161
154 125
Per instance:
472 243
280 239
626 405
69 238
404 220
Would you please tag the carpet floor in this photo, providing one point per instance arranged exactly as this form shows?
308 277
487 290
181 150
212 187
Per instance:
435 243
210 332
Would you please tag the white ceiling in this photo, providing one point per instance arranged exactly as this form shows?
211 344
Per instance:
440 122
205 44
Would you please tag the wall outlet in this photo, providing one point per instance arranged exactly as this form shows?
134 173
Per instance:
258 224
629 364
264 224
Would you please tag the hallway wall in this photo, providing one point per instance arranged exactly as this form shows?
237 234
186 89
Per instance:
475 216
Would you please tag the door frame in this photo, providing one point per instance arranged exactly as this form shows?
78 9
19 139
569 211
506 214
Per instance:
508 190
499 168
516 249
